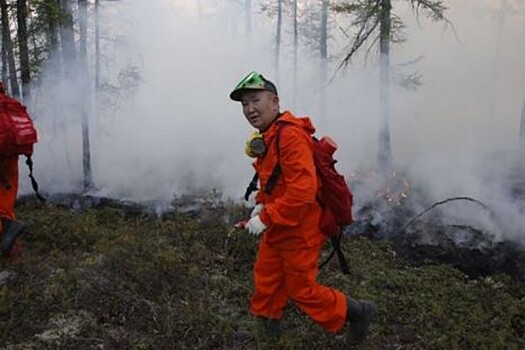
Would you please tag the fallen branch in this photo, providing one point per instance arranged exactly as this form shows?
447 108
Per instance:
411 221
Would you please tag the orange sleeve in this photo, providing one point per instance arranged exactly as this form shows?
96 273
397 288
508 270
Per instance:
300 179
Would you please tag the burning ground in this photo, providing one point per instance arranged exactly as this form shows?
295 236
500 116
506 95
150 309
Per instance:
110 275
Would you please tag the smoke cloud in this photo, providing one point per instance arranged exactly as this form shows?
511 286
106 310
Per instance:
166 126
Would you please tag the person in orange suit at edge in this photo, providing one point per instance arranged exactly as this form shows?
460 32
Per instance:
10 228
287 221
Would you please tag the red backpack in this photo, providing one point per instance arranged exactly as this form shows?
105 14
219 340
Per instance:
17 136
334 194
17 132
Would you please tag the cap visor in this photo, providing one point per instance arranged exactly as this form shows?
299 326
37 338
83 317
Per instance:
236 95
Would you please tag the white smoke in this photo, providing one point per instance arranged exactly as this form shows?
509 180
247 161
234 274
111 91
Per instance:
177 130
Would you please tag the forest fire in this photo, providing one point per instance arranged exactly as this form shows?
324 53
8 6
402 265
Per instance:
394 188
392 213
436 237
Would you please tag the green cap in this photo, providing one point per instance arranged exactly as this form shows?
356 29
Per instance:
253 81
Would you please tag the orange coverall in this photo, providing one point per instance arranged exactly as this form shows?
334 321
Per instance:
286 263
9 167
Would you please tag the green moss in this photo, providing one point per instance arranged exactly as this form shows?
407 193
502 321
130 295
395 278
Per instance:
101 279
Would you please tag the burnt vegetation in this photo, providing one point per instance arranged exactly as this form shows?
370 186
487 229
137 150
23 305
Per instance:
112 275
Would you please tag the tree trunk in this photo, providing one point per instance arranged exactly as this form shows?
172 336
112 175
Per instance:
67 38
496 70
25 70
5 76
7 44
295 53
278 38
97 44
97 58
522 125
384 150
52 25
324 30
324 57
248 8
86 93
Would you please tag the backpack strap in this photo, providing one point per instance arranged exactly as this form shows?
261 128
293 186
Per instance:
252 186
34 184
336 244
276 172
6 185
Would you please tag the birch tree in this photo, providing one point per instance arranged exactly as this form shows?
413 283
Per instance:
374 21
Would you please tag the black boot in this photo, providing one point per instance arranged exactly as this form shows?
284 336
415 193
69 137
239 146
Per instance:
12 229
359 316
273 328
269 328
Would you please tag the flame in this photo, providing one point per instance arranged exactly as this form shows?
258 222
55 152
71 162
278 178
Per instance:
394 188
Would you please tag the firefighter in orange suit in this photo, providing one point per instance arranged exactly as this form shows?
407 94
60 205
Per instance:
10 228
288 220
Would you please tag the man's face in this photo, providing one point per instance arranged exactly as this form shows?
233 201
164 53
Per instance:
260 108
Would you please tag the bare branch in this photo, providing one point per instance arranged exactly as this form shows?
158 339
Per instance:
359 40
367 22
435 10
344 31
371 46
415 60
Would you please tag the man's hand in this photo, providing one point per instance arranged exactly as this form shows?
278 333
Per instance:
255 226
257 210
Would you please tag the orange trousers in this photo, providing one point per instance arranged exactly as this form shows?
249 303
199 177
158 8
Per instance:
282 275
9 167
